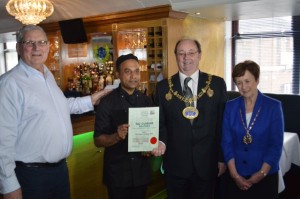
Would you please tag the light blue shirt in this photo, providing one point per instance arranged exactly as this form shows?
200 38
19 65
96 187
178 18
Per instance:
35 124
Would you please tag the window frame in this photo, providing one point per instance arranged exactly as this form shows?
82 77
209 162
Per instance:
295 33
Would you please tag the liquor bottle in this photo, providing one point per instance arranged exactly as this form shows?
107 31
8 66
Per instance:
84 83
95 81
101 83
109 79
90 83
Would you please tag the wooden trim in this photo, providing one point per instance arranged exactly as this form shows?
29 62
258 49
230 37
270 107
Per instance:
144 14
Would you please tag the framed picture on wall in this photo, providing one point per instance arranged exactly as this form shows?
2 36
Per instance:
77 50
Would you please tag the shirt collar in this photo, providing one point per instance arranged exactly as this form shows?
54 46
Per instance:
122 91
32 71
194 76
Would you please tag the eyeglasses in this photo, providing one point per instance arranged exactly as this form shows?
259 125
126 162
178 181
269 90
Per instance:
187 54
30 44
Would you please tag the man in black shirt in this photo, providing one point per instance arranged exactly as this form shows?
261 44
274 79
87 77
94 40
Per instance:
125 174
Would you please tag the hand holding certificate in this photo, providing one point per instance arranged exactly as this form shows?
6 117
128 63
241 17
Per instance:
143 129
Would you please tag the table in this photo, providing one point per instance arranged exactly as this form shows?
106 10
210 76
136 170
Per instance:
290 154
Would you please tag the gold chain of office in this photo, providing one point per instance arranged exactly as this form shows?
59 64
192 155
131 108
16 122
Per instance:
194 98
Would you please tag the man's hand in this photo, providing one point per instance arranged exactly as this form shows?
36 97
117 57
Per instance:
17 194
122 131
222 168
160 150
98 95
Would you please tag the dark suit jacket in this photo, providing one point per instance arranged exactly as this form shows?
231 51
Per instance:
192 147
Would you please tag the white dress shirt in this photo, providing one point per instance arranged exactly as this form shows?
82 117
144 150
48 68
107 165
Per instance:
193 83
35 124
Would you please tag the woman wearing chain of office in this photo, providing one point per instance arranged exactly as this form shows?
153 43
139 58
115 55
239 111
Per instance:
252 139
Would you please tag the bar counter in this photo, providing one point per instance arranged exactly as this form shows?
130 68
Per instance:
83 123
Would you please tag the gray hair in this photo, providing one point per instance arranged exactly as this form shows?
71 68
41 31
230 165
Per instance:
27 28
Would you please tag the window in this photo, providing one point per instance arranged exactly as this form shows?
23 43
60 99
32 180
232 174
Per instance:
2 63
270 42
8 56
11 55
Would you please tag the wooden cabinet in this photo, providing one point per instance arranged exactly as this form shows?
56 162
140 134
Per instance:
155 55
161 37
148 44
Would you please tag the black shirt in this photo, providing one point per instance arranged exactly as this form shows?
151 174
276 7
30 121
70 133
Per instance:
121 168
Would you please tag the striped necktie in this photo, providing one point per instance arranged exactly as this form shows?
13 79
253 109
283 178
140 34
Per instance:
187 91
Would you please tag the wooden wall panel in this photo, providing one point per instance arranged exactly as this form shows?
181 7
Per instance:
211 35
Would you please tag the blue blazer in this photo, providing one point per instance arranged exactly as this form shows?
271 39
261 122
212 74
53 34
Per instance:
267 133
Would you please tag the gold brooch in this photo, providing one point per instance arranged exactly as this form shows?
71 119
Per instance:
210 92
168 96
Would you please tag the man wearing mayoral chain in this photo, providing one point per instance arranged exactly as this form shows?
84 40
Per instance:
191 109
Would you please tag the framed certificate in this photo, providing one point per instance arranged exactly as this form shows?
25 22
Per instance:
143 129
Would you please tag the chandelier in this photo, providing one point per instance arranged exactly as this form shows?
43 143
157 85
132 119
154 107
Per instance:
30 11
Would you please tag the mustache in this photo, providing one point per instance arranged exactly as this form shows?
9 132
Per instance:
134 81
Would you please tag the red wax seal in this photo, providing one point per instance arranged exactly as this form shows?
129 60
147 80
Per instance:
153 140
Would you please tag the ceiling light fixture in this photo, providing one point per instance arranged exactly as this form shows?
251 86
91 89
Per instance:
30 11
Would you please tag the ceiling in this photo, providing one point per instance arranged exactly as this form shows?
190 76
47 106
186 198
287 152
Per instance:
209 9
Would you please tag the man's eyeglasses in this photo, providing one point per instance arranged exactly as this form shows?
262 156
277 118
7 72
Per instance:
36 43
187 54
